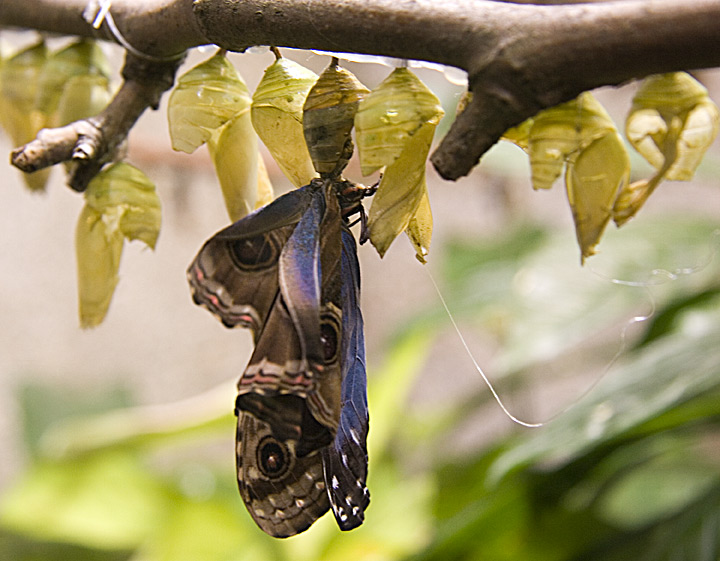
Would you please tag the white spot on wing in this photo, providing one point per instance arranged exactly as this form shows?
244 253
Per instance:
335 482
354 435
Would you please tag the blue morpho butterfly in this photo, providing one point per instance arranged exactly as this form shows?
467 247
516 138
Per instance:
289 272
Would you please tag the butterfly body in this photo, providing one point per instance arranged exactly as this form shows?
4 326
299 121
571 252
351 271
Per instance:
289 272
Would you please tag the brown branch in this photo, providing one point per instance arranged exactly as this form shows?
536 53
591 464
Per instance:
90 143
520 58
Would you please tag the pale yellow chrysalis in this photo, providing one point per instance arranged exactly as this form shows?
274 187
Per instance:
395 125
265 192
672 123
277 115
592 180
82 97
19 79
205 98
98 248
81 58
580 137
234 151
420 228
121 203
389 115
400 193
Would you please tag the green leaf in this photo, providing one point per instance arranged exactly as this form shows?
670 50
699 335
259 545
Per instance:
106 501
211 530
656 489
391 383
143 426
43 407
691 535
21 548
661 378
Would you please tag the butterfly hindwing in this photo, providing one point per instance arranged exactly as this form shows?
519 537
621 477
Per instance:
284 493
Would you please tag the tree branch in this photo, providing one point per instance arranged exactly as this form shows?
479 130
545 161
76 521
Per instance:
520 58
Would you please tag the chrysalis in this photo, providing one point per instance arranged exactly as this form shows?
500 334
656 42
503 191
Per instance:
211 104
98 247
395 125
234 151
82 97
120 202
204 99
671 124
83 58
19 79
580 136
277 115
328 118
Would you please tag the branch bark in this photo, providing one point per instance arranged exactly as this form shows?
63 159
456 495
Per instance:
520 58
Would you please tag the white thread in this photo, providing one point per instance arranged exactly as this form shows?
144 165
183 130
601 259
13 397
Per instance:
477 366
97 12
662 275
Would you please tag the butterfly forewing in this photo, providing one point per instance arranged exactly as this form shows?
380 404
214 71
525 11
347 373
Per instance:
235 274
345 461
290 354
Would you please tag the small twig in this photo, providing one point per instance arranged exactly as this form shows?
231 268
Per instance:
91 143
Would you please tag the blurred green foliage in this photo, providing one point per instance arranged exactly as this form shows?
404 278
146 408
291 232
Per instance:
629 471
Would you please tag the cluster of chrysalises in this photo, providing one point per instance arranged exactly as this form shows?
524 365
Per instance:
672 122
394 126
40 88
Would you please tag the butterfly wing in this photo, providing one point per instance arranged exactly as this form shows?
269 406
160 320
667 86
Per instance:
345 461
283 492
289 397
298 350
235 274
284 272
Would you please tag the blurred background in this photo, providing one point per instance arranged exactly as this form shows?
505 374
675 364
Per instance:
118 441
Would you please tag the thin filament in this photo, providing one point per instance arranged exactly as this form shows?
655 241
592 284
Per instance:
487 381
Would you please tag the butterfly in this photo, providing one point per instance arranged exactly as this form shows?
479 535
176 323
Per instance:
289 272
